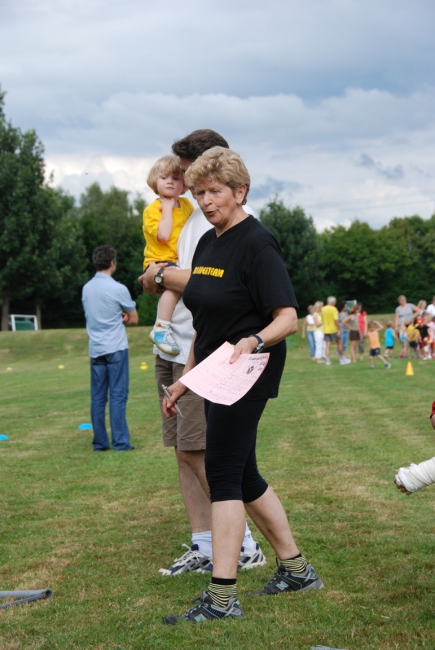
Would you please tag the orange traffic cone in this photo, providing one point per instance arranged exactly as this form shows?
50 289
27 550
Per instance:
409 370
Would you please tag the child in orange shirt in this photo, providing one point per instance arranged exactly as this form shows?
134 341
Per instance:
374 328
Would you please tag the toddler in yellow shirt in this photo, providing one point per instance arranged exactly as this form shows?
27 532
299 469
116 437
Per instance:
162 223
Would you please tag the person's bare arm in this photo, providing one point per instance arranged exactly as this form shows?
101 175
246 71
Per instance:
304 327
285 323
165 224
379 327
178 388
130 318
345 321
173 278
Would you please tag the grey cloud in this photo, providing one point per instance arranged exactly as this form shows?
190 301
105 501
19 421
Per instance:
272 186
312 49
390 173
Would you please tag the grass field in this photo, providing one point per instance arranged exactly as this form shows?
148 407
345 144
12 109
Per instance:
96 527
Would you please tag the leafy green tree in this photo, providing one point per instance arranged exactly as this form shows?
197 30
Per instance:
109 218
301 247
40 246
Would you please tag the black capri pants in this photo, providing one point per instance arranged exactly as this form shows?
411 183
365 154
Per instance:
230 461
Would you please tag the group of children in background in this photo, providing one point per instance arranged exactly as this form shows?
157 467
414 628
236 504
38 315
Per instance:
416 337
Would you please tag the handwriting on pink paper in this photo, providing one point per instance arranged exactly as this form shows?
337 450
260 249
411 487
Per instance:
222 382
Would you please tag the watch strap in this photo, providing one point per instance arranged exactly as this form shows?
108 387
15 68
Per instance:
260 341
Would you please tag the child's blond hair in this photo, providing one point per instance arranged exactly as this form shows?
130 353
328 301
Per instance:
389 324
170 164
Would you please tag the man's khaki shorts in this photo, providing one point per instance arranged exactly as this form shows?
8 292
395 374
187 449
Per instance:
186 433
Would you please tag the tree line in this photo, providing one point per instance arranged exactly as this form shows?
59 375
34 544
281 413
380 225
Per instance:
47 238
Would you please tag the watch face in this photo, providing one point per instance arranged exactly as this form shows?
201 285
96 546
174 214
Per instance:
158 278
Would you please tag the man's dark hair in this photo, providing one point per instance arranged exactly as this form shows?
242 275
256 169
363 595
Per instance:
193 146
102 256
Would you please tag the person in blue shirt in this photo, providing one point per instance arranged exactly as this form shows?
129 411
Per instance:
108 309
390 337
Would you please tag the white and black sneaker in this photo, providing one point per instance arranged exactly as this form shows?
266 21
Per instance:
192 560
285 581
206 611
251 560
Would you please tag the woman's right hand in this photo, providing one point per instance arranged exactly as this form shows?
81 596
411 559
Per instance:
176 390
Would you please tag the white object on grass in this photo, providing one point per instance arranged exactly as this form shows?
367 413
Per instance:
415 477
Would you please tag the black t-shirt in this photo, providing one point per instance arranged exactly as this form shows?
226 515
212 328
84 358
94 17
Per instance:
237 280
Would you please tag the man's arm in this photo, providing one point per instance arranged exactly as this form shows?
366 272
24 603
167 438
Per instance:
130 318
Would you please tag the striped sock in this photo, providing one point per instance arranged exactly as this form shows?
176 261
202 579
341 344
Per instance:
296 564
221 590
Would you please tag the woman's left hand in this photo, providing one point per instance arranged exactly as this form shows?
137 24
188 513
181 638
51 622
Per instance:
244 346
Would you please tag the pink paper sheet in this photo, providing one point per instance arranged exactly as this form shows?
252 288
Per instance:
219 381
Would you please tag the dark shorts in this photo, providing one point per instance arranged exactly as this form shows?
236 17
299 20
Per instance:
391 347
413 345
375 352
186 433
354 335
331 337
161 262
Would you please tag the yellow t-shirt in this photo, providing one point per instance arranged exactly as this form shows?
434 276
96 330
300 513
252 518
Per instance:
159 251
374 341
413 333
329 316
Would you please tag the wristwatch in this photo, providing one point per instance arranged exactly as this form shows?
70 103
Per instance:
260 346
158 278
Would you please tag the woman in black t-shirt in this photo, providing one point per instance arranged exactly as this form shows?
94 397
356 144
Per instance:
240 292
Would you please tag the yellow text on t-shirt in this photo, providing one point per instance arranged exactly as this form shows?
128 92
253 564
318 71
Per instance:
208 270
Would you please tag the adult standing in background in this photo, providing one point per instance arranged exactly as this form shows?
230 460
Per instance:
108 308
344 331
422 308
362 322
351 322
331 330
404 312
308 328
319 337
431 308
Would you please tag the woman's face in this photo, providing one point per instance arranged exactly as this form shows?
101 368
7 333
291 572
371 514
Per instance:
219 204
402 300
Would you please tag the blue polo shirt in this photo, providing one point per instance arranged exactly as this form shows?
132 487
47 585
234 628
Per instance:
104 300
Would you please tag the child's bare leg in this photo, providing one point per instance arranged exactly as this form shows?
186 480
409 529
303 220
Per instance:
167 305
161 334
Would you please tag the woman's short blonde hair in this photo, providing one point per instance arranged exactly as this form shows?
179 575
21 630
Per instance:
169 164
221 165
318 304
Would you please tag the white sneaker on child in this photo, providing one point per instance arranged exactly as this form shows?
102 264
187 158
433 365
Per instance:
163 338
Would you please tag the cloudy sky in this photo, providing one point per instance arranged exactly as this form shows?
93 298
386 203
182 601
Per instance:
329 102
